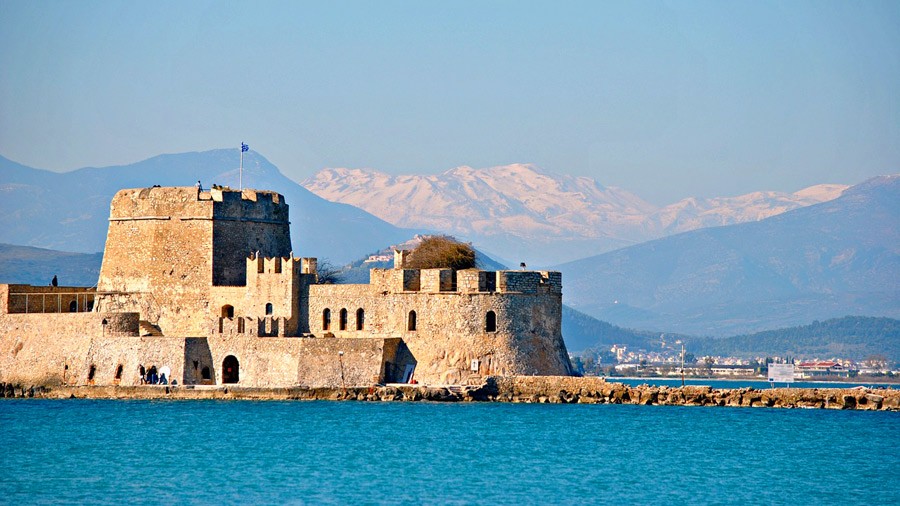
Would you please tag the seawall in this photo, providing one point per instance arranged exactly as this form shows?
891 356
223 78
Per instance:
515 389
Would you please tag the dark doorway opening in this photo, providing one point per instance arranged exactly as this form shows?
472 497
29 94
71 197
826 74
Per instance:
230 370
227 311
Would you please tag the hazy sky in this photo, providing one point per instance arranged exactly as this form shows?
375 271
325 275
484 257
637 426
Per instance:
664 99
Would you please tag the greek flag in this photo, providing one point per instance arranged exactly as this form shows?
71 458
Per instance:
244 147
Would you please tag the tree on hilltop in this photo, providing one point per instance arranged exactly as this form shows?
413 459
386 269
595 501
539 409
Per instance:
441 252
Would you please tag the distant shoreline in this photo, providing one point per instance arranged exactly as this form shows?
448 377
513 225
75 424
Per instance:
760 379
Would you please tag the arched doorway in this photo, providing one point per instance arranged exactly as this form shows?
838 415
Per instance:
230 370
227 311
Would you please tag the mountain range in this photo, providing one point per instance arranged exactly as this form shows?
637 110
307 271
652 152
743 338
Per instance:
789 262
69 211
828 260
520 212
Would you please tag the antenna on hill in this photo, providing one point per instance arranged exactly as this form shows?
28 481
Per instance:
244 147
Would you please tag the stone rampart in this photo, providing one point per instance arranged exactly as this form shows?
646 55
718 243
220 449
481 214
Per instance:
167 247
45 299
451 335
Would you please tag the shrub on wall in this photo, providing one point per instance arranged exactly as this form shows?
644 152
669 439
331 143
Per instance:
441 251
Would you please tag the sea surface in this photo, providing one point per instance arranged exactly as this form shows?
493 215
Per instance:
243 452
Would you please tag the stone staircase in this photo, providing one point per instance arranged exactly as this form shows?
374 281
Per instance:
149 329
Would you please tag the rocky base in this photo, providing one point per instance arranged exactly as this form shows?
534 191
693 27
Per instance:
516 389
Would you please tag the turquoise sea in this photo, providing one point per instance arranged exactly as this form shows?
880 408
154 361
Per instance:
241 452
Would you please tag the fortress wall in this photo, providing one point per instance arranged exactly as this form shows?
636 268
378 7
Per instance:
44 299
60 348
244 223
233 241
166 248
158 250
277 362
274 281
450 329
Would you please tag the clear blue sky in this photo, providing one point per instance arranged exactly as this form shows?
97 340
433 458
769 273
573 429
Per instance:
664 99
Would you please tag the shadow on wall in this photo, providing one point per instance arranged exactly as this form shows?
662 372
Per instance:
402 368
199 368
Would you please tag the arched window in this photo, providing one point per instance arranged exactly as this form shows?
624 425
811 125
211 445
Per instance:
342 324
326 319
91 372
73 306
119 372
360 318
227 311
411 321
268 309
204 373
490 322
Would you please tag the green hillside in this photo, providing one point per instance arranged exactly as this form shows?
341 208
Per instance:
855 337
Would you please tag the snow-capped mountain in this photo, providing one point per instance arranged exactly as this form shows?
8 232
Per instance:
520 212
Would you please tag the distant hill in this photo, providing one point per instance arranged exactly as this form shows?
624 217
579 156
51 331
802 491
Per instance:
854 337
69 211
520 212
37 266
813 263
582 332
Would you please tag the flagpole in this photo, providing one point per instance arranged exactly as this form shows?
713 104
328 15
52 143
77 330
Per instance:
241 170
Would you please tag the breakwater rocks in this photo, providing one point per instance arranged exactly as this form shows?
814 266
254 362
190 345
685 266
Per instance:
516 389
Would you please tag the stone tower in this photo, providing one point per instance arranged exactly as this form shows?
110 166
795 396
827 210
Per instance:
167 247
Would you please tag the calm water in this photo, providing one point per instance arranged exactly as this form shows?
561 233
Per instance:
204 452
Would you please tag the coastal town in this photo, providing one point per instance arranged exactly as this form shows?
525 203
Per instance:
671 360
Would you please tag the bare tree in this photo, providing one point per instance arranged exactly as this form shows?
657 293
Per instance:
327 272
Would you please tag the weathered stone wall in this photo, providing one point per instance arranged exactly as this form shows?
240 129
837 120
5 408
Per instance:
56 348
49 349
45 299
167 247
244 224
450 329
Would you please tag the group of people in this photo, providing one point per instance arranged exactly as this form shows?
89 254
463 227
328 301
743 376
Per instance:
152 377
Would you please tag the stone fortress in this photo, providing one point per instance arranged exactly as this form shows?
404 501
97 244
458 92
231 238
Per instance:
204 285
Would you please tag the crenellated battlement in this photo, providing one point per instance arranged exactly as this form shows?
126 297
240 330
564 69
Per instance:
465 281
258 265
206 283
